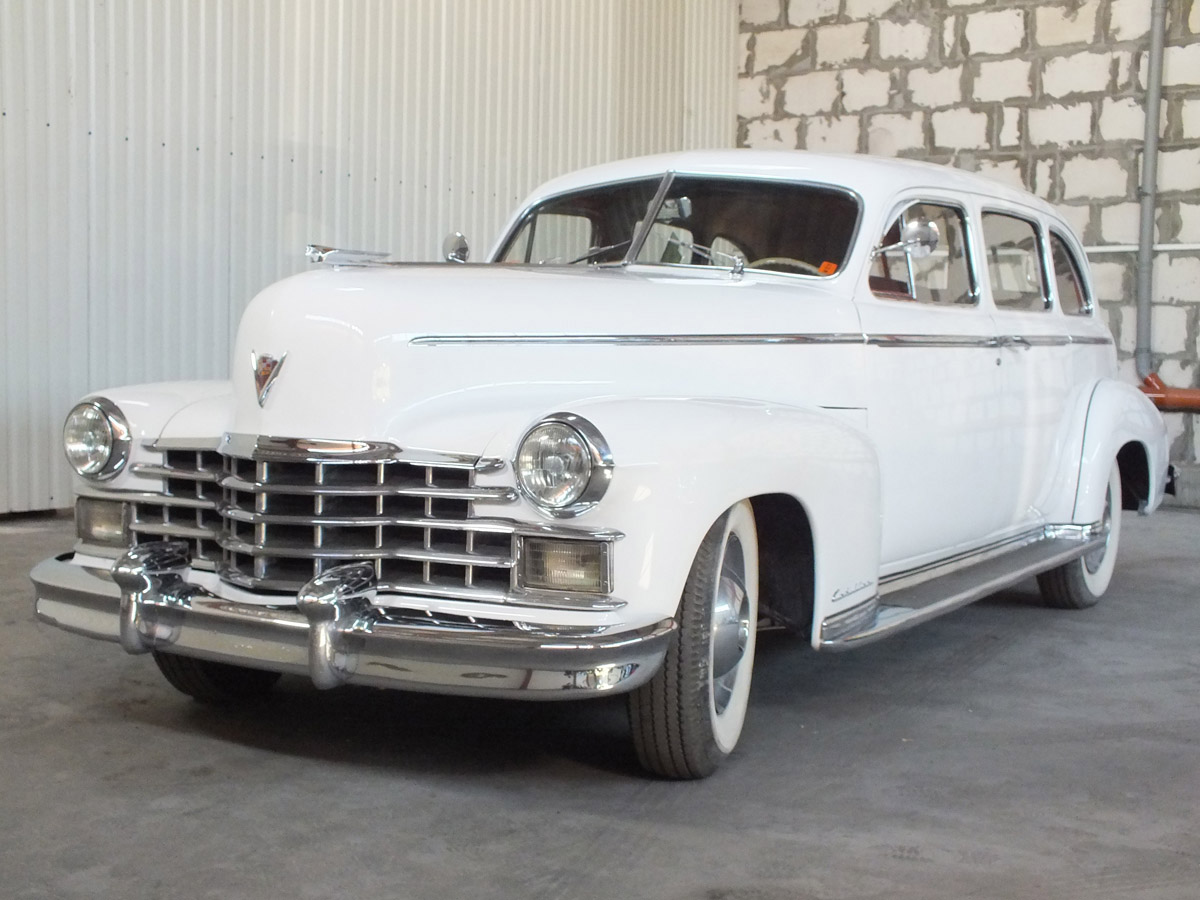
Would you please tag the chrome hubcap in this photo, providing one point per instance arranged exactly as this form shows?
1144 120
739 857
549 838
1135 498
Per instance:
730 624
1092 561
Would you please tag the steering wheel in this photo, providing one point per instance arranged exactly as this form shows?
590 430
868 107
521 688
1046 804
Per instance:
785 262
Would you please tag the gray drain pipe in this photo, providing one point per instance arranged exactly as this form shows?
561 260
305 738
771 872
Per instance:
1149 189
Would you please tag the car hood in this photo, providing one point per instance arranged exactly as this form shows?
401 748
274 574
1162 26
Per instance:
384 352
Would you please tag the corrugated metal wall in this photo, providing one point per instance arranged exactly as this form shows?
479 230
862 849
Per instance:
162 160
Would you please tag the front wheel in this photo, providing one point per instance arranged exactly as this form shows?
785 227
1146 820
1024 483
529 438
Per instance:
1082 582
688 718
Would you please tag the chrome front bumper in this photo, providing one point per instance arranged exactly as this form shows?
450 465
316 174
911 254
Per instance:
334 633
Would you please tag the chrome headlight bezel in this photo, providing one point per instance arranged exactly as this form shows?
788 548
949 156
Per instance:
596 453
115 435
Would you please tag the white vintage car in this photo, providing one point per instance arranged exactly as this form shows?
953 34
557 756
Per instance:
686 396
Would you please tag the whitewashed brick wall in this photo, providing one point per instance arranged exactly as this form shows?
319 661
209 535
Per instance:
1047 94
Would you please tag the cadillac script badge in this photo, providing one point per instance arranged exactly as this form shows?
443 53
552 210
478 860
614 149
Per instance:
265 367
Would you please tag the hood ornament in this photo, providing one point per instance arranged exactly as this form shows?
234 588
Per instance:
265 367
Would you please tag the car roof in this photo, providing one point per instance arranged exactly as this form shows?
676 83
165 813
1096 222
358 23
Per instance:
873 177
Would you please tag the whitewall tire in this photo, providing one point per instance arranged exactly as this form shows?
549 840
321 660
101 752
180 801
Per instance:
1082 582
689 717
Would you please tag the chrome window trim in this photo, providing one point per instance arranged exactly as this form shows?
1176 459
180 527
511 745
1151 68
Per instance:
638 241
1089 306
639 237
505 243
672 175
1043 246
975 291
601 460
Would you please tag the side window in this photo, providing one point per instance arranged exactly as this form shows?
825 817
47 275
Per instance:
1068 279
1014 262
943 277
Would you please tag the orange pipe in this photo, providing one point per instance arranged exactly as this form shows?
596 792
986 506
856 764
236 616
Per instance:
1170 399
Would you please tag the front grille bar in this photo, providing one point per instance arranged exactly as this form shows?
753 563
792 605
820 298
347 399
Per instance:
499 494
295 508
292 509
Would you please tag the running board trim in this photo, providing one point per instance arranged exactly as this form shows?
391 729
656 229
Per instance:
921 602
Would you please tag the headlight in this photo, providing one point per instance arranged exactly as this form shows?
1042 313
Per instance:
96 439
563 465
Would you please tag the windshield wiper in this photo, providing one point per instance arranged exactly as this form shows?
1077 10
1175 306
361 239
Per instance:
735 262
593 252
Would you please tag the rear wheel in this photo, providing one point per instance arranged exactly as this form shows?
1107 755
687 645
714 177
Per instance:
214 682
1082 582
688 718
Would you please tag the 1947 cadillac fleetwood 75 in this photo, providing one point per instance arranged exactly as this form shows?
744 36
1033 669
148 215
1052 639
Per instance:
688 394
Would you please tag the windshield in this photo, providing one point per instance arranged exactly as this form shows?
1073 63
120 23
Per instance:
702 221
592 225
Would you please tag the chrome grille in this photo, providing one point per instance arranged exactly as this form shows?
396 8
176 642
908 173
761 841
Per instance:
287 521
187 509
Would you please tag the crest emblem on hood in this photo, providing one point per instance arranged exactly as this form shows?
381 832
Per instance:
266 368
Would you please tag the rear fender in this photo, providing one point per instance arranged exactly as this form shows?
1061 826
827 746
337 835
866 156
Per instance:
1118 414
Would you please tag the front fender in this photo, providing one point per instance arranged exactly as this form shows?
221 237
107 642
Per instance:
679 463
188 409
1118 414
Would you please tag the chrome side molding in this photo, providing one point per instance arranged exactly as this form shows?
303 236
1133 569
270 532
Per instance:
949 590
858 618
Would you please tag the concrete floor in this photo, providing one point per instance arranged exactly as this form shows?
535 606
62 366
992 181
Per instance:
1006 750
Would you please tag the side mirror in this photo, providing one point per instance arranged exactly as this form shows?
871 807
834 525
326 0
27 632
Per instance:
455 249
918 238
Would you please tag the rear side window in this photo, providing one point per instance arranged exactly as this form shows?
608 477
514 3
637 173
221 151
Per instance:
1014 262
943 277
1068 279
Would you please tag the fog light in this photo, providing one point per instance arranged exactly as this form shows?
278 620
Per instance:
551 565
102 522
602 678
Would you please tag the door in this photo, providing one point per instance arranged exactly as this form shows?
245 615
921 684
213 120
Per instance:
934 391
